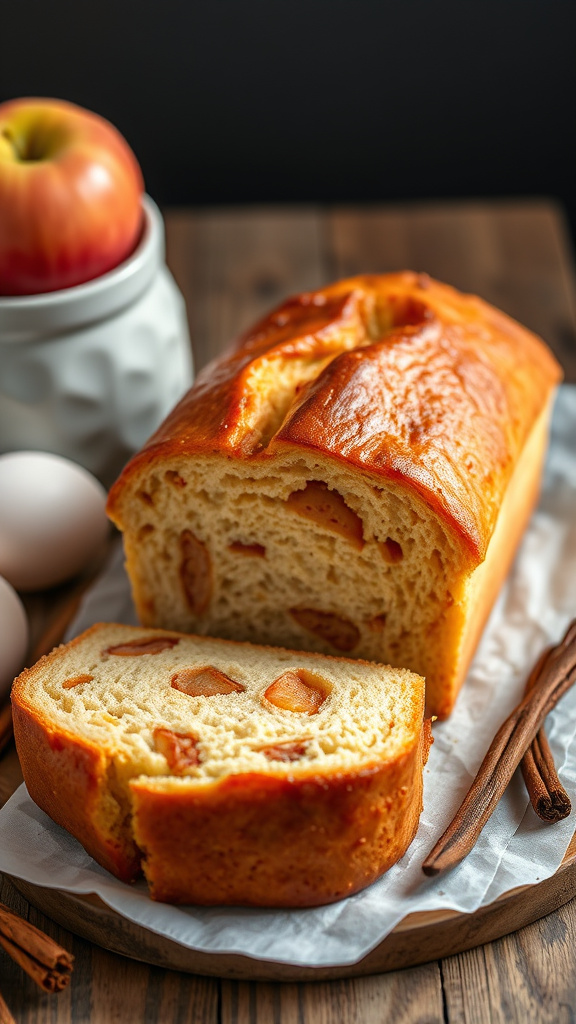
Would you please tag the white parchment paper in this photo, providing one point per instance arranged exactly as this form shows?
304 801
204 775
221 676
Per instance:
515 848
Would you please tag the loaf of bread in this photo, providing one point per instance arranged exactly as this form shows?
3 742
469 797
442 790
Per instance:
354 476
232 774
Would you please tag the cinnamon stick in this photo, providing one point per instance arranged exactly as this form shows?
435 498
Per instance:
504 755
547 794
47 963
5 726
5 1015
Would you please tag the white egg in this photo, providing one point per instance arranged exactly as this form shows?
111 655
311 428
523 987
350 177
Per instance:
13 636
52 519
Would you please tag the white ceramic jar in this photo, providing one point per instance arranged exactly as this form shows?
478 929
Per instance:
89 372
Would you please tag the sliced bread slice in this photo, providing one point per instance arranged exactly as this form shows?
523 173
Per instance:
232 774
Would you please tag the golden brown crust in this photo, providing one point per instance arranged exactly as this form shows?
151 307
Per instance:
261 840
414 382
71 781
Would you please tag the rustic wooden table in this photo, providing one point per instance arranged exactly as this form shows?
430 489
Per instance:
231 267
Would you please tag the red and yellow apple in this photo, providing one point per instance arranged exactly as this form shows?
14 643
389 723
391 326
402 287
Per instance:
70 196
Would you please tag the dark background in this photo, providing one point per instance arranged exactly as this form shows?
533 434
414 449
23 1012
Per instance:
239 101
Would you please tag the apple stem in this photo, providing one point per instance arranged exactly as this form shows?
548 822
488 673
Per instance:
6 133
24 148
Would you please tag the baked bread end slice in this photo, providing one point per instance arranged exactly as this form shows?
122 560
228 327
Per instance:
230 773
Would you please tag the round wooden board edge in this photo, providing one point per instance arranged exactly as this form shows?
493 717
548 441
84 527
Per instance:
418 939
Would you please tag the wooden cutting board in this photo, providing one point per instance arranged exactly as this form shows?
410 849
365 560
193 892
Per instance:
419 938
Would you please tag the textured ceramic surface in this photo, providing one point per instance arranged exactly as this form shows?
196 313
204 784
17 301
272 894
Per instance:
90 372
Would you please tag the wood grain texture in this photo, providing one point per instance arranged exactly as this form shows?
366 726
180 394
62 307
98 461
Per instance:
232 266
418 939
514 254
105 988
526 978
406 997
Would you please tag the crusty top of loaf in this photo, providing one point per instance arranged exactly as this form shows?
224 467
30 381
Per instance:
398 375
